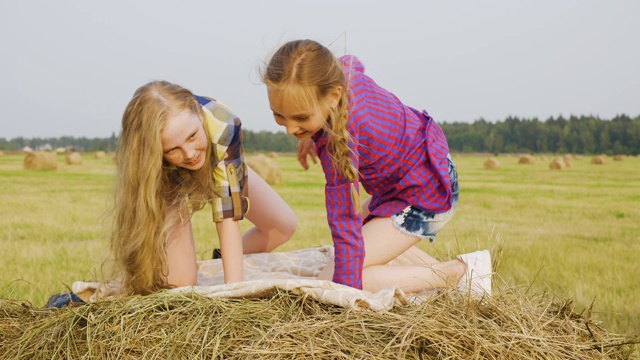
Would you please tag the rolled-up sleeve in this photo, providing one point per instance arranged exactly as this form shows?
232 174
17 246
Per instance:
228 162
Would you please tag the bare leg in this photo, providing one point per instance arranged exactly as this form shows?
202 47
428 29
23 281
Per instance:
414 254
275 222
383 243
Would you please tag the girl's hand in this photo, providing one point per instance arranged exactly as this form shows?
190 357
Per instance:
307 148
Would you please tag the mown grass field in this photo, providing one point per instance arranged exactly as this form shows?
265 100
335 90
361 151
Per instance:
572 233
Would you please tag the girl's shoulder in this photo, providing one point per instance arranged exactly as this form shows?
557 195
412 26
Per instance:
351 63
218 110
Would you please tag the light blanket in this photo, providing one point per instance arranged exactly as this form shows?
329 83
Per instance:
264 273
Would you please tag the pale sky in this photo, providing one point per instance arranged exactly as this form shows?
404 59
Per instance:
70 67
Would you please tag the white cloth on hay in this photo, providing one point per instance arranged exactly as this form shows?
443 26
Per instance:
293 271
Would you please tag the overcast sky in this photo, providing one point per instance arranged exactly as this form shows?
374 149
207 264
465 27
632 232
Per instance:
70 67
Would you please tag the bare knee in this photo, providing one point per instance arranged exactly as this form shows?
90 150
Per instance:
286 228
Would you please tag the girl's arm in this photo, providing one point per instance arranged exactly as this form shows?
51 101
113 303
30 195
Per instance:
231 249
181 254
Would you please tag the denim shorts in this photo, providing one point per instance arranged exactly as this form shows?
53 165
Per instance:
424 224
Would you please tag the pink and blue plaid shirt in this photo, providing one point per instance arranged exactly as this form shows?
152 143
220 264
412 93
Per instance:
401 154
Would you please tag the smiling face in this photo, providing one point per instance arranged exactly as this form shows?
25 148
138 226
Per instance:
184 142
301 119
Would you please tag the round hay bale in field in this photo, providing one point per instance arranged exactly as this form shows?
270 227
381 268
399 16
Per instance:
492 164
557 164
618 158
526 159
73 159
266 167
598 160
273 155
100 154
1 153
577 157
40 160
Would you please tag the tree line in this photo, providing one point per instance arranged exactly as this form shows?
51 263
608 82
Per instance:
254 141
577 135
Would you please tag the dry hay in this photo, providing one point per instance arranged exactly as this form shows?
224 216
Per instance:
100 154
73 158
491 164
577 157
557 164
285 326
598 160
1 153
40 160
266 167
567 160
273 155
526 159
618 157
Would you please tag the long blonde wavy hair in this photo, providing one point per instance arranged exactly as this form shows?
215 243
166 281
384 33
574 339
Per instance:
309 72
144 189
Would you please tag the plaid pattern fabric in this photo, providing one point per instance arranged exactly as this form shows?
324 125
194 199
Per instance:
401 154
227 161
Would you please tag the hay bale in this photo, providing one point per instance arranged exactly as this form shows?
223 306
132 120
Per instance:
273 155
557 164
100 154
492 164
577 157
618 158
1 153
598 160
40 160
526 159
266 167
282 325
73 158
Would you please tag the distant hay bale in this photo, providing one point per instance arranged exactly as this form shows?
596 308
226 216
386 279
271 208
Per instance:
100 154
577 157
492 164
282 325
557 164
273 155
567 159
73 158
598 160
266 167
526 159
1 153
40 160
618 158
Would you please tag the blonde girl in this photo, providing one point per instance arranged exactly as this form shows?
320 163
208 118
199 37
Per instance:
363 134
176 153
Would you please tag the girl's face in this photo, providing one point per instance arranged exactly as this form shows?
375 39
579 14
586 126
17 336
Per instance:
184 142
300 119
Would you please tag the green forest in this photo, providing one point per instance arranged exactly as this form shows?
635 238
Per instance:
577 135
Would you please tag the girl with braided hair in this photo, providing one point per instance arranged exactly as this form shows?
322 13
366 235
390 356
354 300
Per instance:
363 134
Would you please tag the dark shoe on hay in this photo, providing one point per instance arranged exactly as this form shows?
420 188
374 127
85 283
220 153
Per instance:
63 299
217 254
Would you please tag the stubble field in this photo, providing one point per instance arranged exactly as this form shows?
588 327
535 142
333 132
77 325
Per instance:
572 233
